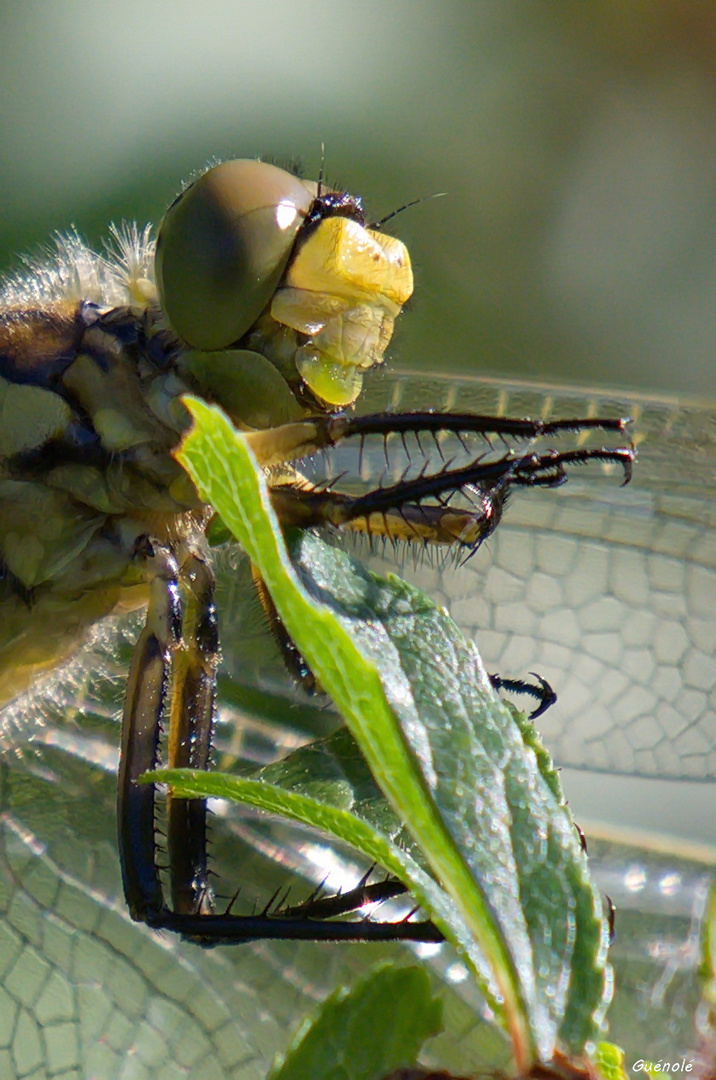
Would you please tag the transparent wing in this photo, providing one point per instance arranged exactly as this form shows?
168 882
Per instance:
607 592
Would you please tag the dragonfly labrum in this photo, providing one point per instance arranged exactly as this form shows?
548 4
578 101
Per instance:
274 298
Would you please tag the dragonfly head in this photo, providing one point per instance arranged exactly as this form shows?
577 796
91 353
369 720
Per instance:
251 256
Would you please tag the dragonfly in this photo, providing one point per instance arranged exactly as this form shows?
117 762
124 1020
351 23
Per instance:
275 298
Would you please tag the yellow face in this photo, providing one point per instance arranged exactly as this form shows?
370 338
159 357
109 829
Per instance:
343 289
250 256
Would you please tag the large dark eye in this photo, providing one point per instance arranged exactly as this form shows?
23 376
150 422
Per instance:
223 246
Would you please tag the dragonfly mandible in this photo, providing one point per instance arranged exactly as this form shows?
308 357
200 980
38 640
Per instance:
272 297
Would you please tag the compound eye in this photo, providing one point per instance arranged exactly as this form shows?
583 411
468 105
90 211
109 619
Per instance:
223 246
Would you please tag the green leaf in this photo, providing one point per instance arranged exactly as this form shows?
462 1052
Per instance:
366 1031
474 787
707 967
609 1061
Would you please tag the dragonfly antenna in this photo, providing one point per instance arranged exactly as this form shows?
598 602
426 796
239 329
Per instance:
320 171
405 206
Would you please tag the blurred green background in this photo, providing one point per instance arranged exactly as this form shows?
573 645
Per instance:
576 142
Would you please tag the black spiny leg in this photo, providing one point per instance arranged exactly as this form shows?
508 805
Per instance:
298 440
141 726
191 727
541 691
292 658
419 509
